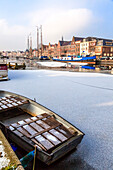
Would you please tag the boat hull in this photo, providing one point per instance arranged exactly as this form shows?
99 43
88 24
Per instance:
27 145
3 72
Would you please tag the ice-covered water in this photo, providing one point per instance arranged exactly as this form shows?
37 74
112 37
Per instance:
52 64
84 99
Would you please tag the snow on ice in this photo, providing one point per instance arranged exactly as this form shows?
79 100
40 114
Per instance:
84 99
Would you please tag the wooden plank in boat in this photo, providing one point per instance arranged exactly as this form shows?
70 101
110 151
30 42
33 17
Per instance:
31 119
15 125
39 145
4 106
51 138
24 132
48 145
46 131
18 133
22 122
11 102
30 130
43 124
64 131
34 118
43 115
59 135
51 121
3 102
28 120
36 127
11 128
9 105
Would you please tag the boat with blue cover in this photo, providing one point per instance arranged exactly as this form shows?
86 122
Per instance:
74 59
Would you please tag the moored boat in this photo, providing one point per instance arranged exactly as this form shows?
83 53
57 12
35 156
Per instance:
16 65
90 60
75 59
31 125
3 71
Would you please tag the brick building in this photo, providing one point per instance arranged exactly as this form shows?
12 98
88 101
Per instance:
87 47
79 46
45 50
104 48
63 48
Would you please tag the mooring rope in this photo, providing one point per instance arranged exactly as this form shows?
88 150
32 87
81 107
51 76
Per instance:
34 158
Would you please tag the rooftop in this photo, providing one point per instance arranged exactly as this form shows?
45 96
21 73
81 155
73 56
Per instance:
63 43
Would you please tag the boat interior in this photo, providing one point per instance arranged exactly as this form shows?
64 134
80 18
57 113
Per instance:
42 130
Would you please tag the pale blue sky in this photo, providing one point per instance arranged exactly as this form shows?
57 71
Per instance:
58 18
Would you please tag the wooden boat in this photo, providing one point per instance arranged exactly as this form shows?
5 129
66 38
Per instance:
15 65
3 71
30 125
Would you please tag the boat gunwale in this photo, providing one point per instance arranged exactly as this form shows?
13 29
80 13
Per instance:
49 156
35 103
55 151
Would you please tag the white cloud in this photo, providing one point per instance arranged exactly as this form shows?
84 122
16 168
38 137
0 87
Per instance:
57 23
5 29
58 18
11 37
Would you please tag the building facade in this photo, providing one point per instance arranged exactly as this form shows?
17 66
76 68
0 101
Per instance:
104 48
77 47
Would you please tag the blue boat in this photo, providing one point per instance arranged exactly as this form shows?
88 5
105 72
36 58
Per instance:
70 58
88 67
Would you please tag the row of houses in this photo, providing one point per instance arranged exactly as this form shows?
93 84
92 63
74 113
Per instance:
14 54
79 46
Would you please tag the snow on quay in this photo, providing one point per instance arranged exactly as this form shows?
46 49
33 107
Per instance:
52 64
84 99
4 161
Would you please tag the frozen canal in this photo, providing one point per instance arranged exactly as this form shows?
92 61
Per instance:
85 100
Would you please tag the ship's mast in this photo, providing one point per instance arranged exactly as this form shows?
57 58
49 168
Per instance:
37 41
28 43
41 39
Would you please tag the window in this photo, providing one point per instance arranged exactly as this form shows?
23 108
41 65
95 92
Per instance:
111 49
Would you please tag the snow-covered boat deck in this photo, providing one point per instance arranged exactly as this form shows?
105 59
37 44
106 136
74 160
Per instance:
84 99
